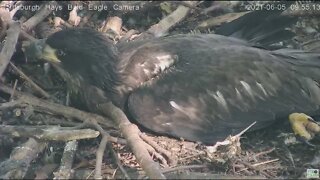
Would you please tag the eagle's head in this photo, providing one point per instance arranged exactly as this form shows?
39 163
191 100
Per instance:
83 53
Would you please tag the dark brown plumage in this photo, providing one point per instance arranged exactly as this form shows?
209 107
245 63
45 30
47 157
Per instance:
198 87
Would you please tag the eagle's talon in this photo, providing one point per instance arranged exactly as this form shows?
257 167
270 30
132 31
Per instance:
305 141
304 127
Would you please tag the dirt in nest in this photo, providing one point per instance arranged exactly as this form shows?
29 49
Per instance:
273 152
270 153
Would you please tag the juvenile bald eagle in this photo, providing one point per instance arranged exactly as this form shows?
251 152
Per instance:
197 87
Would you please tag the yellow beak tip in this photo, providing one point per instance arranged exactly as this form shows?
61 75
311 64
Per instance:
49 54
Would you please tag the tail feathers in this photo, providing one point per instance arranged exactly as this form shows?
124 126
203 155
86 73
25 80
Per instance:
300 57
261 27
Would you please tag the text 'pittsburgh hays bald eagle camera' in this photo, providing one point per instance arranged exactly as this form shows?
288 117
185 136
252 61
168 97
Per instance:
197 87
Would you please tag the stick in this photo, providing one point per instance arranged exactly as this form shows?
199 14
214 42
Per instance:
17 165
99 157
32 84
51 134
168 22
9 46
58 109
40 16
65 170
131 133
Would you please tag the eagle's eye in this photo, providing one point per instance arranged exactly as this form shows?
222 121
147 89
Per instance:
60 53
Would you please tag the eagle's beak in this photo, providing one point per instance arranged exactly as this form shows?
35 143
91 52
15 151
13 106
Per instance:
40 50
49 54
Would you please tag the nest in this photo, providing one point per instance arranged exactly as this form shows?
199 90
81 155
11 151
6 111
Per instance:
42 137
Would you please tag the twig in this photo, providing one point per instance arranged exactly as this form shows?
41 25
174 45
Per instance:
105 139
9 46
100 152
65 170
45 171
112 28
217 21
99 157
116 158
3 23
59 21
17 166
265 162
158 148
131 133
264 152
168 170
128 35
74 19
40 16
254 168
32 84
104 133
57 109
5 17
53 133
114 173
168 22
27 36
290 157
14 89
114 24
191 156
193 6
228 141
220 6
155 154
86 18
60 122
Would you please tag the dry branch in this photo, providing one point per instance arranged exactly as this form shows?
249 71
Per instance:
129 130
65 170
116 158
52 133
168 22
53 108
74 19
17 166
59 21
131 133
168 154
9 46
99 155
32 84
40 16
100 152
4 20
217 21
